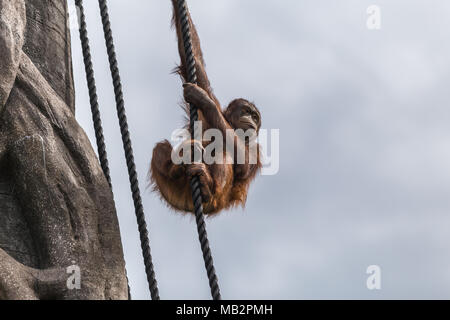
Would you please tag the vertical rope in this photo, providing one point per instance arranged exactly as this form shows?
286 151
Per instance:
93 99
134 183
195 182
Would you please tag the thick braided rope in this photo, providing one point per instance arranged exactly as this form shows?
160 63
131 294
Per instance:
134 183
195 182
93 99
101 147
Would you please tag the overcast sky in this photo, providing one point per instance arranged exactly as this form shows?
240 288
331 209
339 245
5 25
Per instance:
365 145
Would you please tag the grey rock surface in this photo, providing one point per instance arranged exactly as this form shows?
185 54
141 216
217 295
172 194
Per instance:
56 208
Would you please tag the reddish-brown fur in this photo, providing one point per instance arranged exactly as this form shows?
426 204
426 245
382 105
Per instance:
223 185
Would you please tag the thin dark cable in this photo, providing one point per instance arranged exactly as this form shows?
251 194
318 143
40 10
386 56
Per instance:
93 99
195 182
134 183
